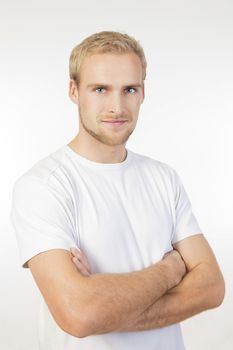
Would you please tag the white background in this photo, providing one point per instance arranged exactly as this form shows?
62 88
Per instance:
185 121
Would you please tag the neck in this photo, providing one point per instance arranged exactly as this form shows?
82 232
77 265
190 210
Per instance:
97 151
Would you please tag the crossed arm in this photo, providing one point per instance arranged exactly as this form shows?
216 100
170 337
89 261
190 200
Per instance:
83 304
202 288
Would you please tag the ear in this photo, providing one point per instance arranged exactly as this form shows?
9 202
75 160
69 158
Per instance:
73 91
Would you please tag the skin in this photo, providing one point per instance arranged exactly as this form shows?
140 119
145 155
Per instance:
78 303
120 99
185 282
201 288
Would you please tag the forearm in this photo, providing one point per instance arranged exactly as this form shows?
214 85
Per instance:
196 292
118 299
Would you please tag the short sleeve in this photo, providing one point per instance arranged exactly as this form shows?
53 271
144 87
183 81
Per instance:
42 218
186 223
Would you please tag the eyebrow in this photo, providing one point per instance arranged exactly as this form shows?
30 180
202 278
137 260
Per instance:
109 86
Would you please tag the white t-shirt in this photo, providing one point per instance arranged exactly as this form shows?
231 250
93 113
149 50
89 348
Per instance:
124 216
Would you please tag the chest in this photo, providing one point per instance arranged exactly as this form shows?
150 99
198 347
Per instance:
123 225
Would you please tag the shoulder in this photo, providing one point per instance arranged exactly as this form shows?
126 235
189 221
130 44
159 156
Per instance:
46 173
156 167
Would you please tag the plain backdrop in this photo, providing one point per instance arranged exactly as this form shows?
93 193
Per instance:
185 121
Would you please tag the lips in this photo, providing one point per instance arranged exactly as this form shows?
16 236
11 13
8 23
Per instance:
114 121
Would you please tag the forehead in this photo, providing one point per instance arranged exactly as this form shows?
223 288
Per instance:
111 67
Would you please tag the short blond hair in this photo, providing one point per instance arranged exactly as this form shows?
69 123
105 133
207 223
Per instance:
104 42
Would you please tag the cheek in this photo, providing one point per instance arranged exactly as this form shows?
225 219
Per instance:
132 101
87 106
85 102
93 103
137 105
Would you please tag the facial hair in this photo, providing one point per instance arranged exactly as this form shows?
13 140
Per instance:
115 140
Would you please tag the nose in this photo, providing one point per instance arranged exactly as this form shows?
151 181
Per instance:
115 104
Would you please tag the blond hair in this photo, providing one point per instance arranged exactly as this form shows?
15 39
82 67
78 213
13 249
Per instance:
104 42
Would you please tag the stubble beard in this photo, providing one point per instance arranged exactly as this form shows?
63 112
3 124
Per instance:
115 140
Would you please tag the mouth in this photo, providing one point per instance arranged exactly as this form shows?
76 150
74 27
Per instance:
114 122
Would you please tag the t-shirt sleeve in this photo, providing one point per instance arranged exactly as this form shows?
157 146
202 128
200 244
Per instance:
186 223
42 218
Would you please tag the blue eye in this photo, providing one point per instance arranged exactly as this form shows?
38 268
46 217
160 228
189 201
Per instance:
130 90
99 88
134 90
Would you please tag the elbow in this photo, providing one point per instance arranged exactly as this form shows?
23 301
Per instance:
77 330
76 326
81 319
218 293
81 324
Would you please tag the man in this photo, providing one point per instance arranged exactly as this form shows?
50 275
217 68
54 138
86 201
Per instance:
109 234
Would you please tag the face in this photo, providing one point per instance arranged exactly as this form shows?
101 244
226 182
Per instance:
109 96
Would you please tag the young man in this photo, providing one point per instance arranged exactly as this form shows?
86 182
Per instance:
109 234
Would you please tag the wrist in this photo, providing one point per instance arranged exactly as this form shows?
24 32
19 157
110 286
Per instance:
169 277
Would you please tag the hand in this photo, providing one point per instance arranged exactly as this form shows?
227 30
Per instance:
177 266
80 261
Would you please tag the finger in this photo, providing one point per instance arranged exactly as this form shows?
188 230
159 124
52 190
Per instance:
75 251
81 267
78 254
85 261
81 256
